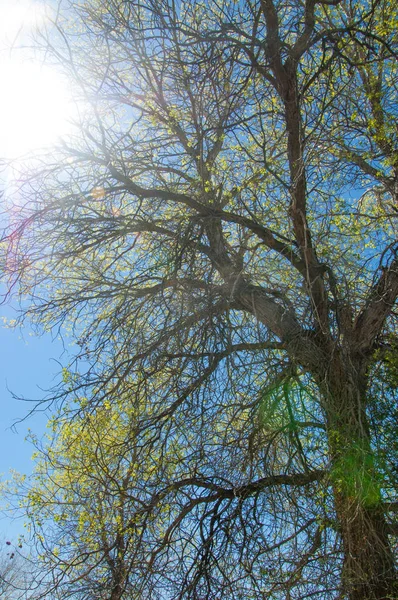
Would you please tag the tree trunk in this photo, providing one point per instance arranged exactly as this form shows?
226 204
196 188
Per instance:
368 571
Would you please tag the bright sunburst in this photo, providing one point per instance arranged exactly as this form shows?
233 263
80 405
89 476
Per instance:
35 103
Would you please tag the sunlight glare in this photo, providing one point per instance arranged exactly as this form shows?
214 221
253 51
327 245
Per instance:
19 17
35 104
34 108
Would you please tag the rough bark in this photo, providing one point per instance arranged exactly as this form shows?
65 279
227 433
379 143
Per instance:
339 367
368 571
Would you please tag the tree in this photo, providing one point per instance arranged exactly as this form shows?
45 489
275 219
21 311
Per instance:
220 237
16 573
80 503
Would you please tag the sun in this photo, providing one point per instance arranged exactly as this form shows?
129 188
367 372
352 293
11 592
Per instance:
36 107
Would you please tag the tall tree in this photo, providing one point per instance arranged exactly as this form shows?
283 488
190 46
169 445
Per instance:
220 236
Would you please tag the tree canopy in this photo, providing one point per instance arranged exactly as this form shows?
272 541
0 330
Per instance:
219 237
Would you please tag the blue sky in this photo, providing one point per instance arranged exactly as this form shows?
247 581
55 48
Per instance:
27 363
